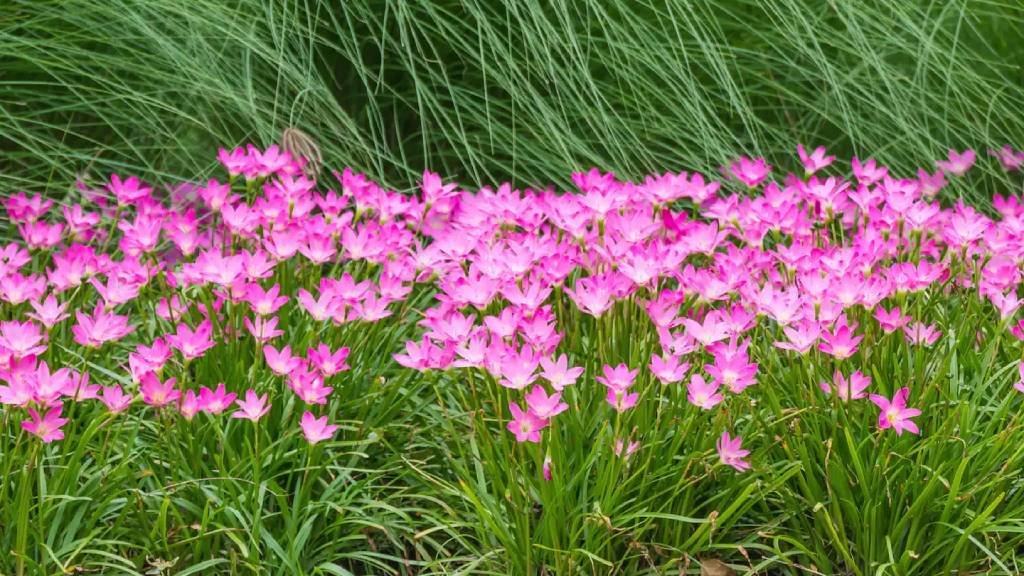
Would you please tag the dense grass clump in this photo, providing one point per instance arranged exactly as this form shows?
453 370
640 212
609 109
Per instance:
487 91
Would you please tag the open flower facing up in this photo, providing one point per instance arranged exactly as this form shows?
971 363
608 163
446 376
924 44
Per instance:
750 172
702 394
543 405
316 429
814 161
957 163
92 331
525 425
847 389
156 393
192 343
895 413
252 408
46 427
21 339
731 453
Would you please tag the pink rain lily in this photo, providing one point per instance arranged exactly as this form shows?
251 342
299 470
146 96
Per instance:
558 373
316 429
958 163
192 343
215 401
156 393
621 400
47 427
731 453
92 331
702 394
252 408
525 425
619 378
114 398
21 339
543 405
895 414
848 389
281 362
814 161
750 172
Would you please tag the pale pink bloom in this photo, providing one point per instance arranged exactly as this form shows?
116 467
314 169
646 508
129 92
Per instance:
252 408
48 313
114 398
868 172
619 378
189 405
215 401
518 369
621 400
92 331
702 394
309 387
128 191
958 163
545 406
21 339
731 453
841 342
425 355
890 321
710 331
281 363
263 329
895 413
1008 157
623 450
525 425
46 427
920 333
558 373
802 337
667 368
814 161
156 393
848 389
316 429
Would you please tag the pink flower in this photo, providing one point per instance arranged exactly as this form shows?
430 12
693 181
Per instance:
309 387
156 393
814 161
619 378
895 413
701 394
102 326
1019 386
114 398
708 332
252 408
21 339
47 427
868 172
48 313
192 343
623 450
891 321
731 453
518 369
129 191
958 163
852 389
558 373
326 362
621 400
1008 157
281 363
525 425
919 333
215 401
189 405
263 329
264 303
750 172
316 429
667 368
544 406
841 342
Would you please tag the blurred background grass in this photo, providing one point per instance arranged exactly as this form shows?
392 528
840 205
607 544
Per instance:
487 91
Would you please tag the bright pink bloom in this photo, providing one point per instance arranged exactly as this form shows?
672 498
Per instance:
518 369
102 326
667 368
47 427
263 302
215 401
114 398
189 405
326 362
841 342
156 393
263 329
281 363
316 429
750 172
1008 157
731 453
621 400
895 413
252 408
891 321
192 343
525 424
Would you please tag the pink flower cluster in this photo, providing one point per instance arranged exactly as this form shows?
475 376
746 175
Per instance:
709 267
